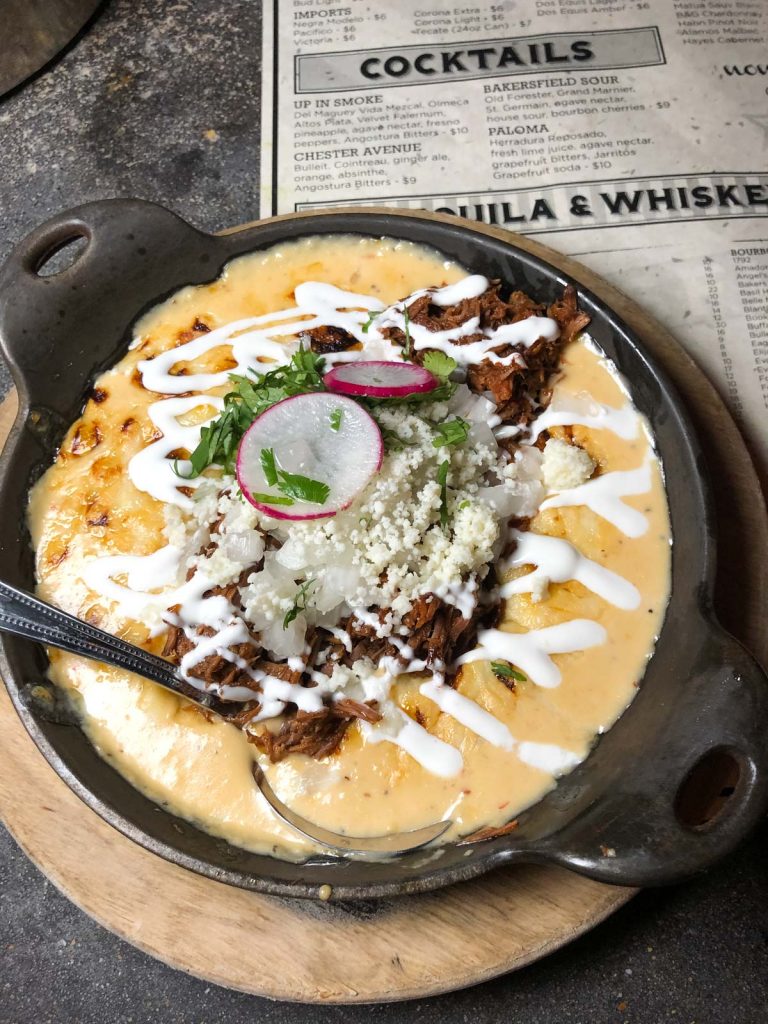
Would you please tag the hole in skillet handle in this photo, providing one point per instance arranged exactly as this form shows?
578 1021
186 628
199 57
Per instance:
705 792
55 249
61 256
688 780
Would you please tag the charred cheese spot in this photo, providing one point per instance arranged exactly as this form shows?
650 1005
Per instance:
54 558
94 615
99 395
105 470
97 515
198 327
416 706
85 439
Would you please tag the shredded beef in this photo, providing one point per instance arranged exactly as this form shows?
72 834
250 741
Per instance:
348 708
365 643
520 389
315 733
325 339
250 709
569 317
490 308
279 670
437 633
232 590
213 670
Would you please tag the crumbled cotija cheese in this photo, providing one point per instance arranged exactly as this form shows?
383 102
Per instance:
565 465
390 540
387 549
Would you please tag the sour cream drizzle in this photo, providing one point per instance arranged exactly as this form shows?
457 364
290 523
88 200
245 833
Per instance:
257 343
524 332
440 758
603 496
148 579
558 561
531 651
470 714
436 756
571 410
151 470
260 338
546 756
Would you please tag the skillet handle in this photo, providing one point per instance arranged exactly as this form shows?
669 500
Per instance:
135 253
705 785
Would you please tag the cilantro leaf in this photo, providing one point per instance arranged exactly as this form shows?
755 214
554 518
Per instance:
302 488
292 485
271 499
336 418
442 479
439 364
371 317
299 603
267 459
184 476
407 331
451 432
251 395
392 440
504 670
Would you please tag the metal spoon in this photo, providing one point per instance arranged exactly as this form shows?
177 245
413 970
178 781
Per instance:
28 616
387 845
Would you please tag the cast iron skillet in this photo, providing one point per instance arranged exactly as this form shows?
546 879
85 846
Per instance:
626 815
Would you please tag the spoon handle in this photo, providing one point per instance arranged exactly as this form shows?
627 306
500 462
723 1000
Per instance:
28 616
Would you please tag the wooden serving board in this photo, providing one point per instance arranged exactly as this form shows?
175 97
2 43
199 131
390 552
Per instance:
399 948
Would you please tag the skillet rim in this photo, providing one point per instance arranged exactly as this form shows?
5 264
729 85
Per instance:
496 851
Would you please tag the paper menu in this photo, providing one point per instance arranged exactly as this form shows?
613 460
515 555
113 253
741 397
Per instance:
633 136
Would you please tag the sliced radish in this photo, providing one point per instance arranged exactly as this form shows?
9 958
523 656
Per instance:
380 379
309 456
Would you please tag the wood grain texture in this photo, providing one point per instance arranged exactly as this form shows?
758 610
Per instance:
395 949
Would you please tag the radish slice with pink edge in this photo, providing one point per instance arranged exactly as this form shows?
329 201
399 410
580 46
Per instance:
321 450
380 379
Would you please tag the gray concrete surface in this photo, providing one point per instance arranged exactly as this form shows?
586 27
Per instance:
161 100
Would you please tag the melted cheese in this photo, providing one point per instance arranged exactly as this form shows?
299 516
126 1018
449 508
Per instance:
478 754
